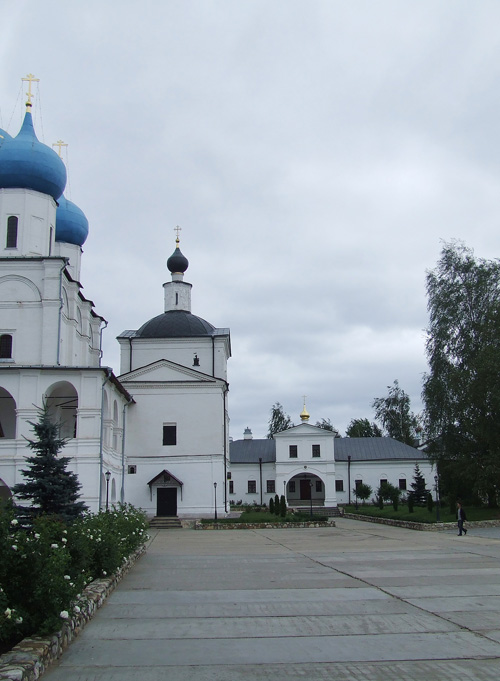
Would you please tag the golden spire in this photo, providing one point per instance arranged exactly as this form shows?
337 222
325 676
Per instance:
30 78
305 414
59 144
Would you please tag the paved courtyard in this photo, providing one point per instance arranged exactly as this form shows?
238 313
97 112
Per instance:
359 601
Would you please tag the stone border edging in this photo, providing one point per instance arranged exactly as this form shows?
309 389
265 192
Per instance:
30 658
424 527
261 526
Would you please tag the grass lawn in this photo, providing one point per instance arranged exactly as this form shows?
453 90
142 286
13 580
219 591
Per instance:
422 515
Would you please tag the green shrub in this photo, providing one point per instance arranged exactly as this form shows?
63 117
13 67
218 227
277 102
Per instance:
276 505
411 503
271 505
43 568
282 506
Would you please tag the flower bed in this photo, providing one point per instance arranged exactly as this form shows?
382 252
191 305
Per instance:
32 656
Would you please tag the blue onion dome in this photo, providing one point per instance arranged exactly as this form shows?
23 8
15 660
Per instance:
26 163
4 136
72 227
177 263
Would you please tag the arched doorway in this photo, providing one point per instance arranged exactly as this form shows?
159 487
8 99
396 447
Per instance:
304 488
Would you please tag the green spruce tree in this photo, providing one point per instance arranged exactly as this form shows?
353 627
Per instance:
50 487
419 493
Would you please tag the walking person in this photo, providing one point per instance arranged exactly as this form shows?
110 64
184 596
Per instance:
461 517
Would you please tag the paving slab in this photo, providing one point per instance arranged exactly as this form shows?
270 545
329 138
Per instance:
354 602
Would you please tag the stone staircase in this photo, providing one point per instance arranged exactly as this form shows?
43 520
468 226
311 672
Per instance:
165 523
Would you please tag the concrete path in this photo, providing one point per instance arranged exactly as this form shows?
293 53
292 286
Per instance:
359 601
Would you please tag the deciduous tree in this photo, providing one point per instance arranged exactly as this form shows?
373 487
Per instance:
278 421
394 413
461 390
362 428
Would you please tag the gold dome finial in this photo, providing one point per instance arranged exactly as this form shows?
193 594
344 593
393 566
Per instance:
30 78
305 414
177 240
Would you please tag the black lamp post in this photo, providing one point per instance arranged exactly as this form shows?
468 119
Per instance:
436 480
284 489
311 486
107 475
215 496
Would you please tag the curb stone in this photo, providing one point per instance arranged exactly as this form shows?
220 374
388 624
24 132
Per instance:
30 658
261 526
424 527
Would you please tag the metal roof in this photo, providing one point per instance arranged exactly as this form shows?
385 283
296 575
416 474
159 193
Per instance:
249 451
358 448
374 449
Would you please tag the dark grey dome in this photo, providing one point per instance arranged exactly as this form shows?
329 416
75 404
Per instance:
177 263
175 324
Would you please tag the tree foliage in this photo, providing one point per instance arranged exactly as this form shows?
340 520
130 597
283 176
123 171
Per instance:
419 491
50 487
362 491
278 421
394 413
326 424
461 390
362 428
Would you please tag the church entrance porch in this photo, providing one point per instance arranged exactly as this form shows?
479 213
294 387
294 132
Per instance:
305 488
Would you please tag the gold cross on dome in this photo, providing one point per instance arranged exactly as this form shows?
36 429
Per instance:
59 144
177 229
30 78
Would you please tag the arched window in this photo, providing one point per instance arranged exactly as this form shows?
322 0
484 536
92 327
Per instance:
5 346
11 232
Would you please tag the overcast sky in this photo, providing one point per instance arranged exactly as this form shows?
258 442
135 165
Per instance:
315 153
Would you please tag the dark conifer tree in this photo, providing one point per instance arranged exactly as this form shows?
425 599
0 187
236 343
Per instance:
50 487
419 492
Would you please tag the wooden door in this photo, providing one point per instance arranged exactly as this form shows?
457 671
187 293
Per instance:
166 501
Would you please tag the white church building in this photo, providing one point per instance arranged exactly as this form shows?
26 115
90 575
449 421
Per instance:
131 436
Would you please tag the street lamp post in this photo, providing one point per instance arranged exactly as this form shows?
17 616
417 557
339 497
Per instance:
436 480
215 498
107 475
311 486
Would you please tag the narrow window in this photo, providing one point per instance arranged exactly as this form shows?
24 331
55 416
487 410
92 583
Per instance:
6 346
176 298
231 487
319 486
169 435
383 481
12 232
293 451
358 483
252 487
291 487
270 486
339 485
402 483
316 450
50 239
132 470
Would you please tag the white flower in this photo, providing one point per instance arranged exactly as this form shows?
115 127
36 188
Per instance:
71 584
64 614
14 547
76 609
67 577
14 522
65 531
8 613
104 572
36 535
64 540
19 620
54 546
